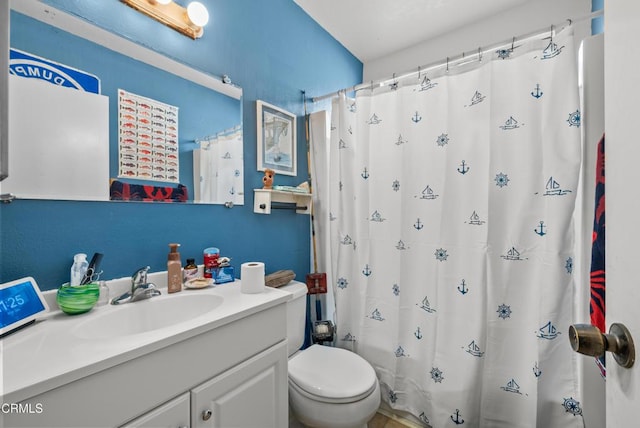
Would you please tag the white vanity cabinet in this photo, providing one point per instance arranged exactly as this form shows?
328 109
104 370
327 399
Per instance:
236 370
251 395
174 414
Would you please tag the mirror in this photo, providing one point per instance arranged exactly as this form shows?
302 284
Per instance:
153 154
4 91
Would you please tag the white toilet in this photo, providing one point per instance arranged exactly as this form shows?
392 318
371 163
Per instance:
328 387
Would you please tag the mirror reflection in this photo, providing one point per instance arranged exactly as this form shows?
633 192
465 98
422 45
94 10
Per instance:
175 135
218 168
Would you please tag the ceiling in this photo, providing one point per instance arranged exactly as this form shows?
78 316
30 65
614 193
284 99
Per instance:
371 29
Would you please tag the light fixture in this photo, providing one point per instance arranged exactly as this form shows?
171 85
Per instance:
197 14
189 21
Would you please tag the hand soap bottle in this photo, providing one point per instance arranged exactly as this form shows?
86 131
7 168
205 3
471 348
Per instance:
174 270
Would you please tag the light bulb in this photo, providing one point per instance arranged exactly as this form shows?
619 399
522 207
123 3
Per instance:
198 14
163 1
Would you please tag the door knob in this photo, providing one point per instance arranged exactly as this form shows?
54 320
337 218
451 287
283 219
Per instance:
588 340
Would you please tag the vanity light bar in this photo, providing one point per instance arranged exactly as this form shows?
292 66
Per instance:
172 15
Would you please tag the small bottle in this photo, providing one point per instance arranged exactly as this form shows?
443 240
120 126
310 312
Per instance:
174 270
190 270
78 269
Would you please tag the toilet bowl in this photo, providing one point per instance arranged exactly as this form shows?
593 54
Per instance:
332 387
328 387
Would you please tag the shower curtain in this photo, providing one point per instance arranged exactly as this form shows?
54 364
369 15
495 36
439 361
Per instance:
450 214
219 169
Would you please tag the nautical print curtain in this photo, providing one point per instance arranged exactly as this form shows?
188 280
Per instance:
221 168
450 211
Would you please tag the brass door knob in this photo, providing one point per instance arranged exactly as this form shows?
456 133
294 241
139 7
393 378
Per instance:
587 339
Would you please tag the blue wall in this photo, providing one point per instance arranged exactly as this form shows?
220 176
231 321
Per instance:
273 50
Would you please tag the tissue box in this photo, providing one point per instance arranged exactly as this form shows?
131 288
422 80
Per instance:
223 274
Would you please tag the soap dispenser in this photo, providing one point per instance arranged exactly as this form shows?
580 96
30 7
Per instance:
174 270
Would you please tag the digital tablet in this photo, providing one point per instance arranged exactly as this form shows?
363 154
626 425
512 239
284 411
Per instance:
21 302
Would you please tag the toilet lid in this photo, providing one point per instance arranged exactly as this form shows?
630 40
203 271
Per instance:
331 373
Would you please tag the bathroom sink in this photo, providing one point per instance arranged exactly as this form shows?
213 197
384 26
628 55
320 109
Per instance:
146 315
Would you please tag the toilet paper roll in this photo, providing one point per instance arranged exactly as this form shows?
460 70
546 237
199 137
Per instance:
252 277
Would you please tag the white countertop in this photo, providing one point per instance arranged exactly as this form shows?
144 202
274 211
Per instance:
47 354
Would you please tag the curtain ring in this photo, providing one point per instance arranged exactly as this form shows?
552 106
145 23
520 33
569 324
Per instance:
447 64
551 32
513 42
418 72
479 54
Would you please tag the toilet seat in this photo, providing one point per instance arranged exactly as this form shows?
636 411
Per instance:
331 375
330 400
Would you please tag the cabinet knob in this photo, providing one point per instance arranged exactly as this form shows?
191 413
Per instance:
587 339
206 415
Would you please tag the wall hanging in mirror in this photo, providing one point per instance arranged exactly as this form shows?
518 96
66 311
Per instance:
276 139
148 138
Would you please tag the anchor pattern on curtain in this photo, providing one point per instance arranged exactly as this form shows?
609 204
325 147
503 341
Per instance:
450 212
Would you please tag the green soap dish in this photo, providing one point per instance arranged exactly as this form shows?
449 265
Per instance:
77 300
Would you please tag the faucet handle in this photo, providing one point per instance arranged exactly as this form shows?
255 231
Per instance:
140 276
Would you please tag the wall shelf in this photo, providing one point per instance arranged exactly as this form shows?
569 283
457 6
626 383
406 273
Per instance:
264 200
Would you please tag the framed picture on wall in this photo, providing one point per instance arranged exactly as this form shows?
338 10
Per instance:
276 139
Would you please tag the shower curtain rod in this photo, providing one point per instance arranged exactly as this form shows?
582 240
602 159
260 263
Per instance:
224 132
454 60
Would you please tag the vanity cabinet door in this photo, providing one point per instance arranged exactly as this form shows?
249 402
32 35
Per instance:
253 394
174 414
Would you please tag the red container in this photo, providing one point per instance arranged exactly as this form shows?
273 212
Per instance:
211 256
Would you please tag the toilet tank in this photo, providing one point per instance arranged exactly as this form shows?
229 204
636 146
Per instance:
296 315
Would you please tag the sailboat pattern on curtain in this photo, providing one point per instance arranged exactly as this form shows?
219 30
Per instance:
452 238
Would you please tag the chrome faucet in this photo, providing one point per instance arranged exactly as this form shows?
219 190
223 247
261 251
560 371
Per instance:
140 288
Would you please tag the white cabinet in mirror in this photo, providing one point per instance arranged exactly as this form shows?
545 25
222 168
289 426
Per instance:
4 90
